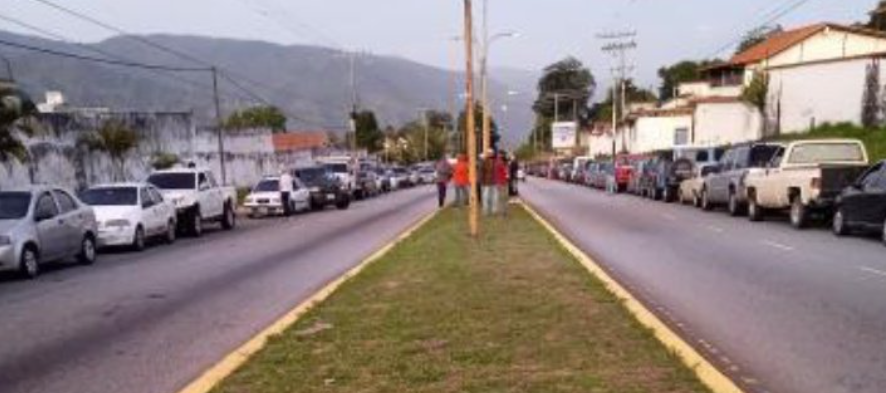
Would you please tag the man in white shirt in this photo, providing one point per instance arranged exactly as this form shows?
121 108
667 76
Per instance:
286 191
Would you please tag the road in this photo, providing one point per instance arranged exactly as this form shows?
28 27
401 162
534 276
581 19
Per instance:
151 322
779 310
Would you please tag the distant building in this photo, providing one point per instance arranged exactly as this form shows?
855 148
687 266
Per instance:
55 102
294 141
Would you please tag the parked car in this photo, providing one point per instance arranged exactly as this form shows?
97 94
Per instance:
44 224
601 175
690 189
266 198
384 177
325 187
129 214
427 175
805 177
342 167
400 178
727 185
862 205
367 184
624 171
197 197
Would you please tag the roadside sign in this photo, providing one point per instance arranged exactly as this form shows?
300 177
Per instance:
564 135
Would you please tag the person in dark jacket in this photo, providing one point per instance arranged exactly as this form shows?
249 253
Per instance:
444 175
513 169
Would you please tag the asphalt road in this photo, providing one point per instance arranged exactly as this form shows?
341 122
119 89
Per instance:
151 322
779 310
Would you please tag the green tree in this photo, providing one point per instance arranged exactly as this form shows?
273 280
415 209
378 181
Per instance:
115 139
870 101
756 94
15 110
162 160
565 87
602 111
674 75
369 134
257 117
478 123
757 36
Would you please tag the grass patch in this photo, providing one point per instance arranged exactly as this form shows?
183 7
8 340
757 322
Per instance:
512 312
873 138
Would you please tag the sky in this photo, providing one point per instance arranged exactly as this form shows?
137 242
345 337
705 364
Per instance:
422 30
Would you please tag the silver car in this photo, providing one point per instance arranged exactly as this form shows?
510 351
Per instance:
43 224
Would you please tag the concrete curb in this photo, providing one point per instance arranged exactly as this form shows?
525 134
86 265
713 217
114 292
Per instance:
231 362
713 378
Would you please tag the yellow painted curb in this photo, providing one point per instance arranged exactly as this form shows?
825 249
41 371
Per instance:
706 372
231 362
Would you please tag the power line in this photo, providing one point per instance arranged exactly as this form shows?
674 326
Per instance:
774 16
100 59
225 73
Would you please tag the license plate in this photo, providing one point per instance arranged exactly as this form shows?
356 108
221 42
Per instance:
263 210
330 197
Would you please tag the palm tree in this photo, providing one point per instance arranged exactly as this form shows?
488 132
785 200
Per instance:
15 111
115 139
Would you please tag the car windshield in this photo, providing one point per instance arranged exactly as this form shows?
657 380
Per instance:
816 153
311 176
400 171
173 181
14 205
111 196
267 185
762 155
338 168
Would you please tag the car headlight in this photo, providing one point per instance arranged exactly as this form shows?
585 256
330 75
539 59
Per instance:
118 223
5 241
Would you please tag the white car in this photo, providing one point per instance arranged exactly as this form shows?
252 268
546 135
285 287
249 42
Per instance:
129 214
266 199
197 197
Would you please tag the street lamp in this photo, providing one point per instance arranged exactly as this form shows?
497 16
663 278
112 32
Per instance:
484 75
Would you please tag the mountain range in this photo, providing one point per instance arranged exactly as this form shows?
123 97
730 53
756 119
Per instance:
312 85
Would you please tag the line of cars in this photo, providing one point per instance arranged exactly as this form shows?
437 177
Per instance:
41 224
816 180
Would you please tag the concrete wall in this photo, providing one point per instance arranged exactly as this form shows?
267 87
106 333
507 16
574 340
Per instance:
825 92
57 159
718 124
651 134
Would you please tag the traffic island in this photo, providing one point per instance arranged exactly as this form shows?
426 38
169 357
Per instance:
441 312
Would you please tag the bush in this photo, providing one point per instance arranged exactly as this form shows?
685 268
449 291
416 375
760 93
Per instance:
873 138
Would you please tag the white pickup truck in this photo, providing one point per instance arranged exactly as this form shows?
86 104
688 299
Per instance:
197 197
344 169
805 177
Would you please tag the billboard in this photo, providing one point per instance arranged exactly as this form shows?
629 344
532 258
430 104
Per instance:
564 135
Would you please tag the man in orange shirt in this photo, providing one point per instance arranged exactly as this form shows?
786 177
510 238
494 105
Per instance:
460 180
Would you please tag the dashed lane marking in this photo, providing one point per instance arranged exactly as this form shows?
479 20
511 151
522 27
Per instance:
872 271
783 247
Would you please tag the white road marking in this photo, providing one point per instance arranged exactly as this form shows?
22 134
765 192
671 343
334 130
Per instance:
872 271
783 247
714 228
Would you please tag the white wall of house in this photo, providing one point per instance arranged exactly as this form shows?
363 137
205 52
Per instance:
819 93
600 145
651 134
718 124
829 44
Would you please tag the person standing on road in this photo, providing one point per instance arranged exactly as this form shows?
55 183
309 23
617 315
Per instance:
286 190
513 170
461 181
501 183
444 175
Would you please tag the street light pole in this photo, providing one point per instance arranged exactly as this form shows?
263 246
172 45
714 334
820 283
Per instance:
473 206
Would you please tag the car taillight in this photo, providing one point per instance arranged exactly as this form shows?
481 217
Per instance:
816 183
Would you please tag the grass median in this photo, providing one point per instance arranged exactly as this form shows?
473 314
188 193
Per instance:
512 312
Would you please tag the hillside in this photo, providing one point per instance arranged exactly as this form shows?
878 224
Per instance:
310 83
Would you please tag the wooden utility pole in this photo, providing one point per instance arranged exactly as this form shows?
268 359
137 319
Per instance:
470 129
219 127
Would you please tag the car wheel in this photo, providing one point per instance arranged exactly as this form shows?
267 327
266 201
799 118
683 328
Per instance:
196 223
705 201
755 212
171 234
29 265
799 214
734 207
87 253
839 225
138 239
229 220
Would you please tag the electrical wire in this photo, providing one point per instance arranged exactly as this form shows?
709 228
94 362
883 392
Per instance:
773 16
